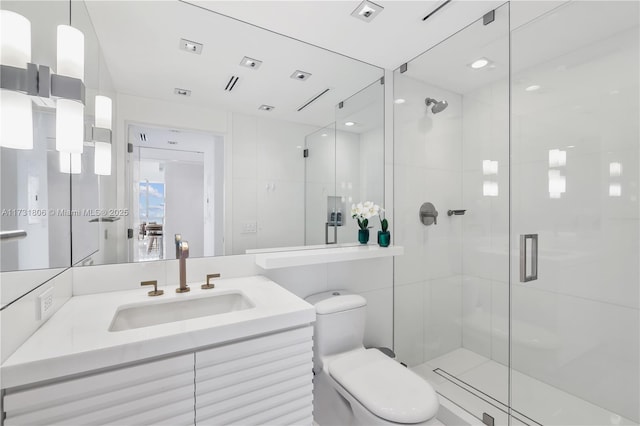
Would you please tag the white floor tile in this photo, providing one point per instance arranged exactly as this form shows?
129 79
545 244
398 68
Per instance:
532 398
426 372
458 361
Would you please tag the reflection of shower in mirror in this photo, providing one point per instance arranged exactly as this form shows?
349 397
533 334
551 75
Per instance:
438 106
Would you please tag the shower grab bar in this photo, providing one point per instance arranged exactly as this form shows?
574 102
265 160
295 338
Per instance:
523 257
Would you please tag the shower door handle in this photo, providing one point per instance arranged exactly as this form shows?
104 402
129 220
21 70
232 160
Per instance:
524 256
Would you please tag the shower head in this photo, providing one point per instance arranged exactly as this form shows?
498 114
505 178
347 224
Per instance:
438 106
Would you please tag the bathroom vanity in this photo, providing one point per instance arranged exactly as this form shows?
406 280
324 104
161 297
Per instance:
238 353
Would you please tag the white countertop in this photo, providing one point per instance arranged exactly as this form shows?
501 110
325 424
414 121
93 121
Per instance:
77 339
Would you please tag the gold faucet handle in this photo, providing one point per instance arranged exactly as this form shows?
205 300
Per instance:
208 285
155 291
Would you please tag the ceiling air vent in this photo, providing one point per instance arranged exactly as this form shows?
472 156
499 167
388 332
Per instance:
232 83
437 8
315 98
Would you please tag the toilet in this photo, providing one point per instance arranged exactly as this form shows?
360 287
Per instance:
358 386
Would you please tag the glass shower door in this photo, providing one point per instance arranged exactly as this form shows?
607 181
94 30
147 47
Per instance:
574 189
451 149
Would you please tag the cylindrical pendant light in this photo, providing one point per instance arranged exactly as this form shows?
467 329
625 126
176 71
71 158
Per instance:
16 122
70 114
69 126
102 150
70 163
70 52
103 112
102 158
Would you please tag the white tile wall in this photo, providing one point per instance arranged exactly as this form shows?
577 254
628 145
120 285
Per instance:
268 182
443 315
427 168
409 324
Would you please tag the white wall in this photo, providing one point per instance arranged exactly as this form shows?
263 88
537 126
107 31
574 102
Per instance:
21 319
268 183
427 168
184 207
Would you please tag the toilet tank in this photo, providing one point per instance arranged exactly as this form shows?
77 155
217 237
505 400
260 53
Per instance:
340 322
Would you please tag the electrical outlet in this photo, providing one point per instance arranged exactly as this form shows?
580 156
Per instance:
250 228
46 303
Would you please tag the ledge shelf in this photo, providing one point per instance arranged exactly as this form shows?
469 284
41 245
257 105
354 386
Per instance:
285 259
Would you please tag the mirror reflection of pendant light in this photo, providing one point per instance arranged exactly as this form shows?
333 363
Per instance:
16 125
70 113
70 163
102 149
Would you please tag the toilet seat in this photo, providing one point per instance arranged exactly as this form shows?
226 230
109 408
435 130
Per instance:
384 387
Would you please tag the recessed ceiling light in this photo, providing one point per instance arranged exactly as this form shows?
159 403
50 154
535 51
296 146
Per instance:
366 11
479 63
250 63
190 46
266 107
182 92
349 123
399 101
300 75
324 135
532 88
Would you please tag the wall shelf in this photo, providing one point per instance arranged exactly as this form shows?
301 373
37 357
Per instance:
285 259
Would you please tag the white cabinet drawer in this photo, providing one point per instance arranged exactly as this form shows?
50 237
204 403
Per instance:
142 394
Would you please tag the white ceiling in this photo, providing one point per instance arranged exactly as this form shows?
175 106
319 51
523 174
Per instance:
395 36
529 46
140 43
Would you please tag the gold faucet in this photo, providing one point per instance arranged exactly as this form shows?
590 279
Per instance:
155 291
209 285
183 251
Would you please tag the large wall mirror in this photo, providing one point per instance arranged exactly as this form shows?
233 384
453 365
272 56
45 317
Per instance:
42 186
237 138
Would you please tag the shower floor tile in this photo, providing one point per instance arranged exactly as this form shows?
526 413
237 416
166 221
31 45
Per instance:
458 361
540 402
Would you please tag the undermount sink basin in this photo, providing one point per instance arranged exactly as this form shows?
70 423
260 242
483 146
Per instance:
148 314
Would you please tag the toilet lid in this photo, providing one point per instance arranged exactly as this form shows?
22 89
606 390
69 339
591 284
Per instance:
384 387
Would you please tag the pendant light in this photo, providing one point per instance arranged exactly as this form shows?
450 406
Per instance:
16 121
102 147
70 113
